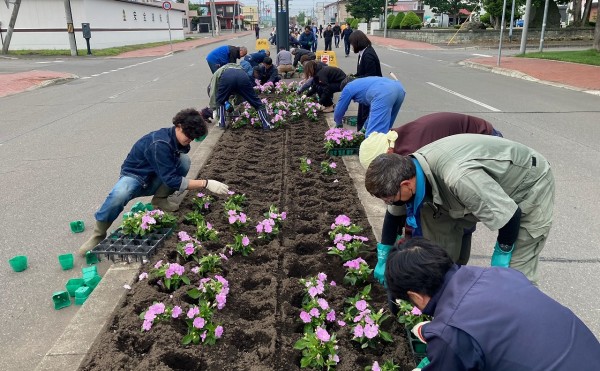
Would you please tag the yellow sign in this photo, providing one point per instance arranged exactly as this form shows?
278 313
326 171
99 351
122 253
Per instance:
262 44
327 57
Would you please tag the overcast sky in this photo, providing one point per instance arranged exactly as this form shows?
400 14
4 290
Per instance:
296 6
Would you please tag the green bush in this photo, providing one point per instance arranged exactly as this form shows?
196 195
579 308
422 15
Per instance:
410 20
390 21
485 19
398 20
354 24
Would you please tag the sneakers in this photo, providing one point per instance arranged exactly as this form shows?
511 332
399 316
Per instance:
328 109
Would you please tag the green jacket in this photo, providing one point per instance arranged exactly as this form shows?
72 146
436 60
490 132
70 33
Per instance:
483 178
214 83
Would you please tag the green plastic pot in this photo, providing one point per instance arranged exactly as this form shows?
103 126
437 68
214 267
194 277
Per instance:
18 263
89 272
66 261
92 282
81 294
61 300
91 258
77 226
73 284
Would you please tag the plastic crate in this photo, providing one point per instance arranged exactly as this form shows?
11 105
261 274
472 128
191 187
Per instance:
118 246
418 348
350 120
343 151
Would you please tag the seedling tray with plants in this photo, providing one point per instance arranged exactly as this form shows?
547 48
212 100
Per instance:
120 246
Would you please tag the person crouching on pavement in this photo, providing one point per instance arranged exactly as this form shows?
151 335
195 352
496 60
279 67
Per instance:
229 80
490 318
156 166
266 72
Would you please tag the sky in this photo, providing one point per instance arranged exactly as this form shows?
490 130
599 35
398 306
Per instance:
296 6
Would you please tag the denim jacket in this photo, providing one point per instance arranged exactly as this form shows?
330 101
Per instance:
156 154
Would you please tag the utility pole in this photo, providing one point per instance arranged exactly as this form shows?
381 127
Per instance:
385 17
525 27
70 28
214 18
544 27
502 31
11 26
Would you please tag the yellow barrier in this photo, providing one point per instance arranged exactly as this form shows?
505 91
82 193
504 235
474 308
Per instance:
262 44
327 57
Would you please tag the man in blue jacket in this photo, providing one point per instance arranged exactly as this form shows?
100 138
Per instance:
307 39
382 95
490 319
223 55
266 72
156 165
257 58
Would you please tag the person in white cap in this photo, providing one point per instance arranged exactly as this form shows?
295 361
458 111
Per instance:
405 140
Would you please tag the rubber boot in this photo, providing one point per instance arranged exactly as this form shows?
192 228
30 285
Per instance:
159 201
98 235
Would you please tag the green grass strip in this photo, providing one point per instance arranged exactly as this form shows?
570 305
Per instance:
590 56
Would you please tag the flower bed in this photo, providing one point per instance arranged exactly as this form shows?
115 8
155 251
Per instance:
264 313
343 142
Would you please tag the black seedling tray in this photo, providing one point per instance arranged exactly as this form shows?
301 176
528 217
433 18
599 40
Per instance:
118 246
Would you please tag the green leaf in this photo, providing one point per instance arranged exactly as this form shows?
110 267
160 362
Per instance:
185 280
300 344
168 283
194 293
186 339
305 362
386 336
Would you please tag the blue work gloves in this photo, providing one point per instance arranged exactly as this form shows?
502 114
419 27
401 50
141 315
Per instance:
502 254
382 254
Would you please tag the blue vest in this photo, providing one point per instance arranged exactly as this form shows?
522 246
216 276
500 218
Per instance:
514 325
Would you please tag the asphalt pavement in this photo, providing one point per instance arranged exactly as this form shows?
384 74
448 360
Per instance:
81 326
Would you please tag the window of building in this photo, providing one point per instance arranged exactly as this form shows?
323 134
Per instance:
229 9
184 21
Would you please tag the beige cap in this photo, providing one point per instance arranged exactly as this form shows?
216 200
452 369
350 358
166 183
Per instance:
375 145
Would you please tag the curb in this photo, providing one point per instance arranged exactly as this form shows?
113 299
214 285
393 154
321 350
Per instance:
72 346
524 76
44 83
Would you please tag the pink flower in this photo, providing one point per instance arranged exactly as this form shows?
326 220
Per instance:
245 241
332 283
322 334
189 249
192 312
223 256
243 218
283 215
158 264
375 366
305 317
200 194
342 220
416 311
218 332
371 330
259 228
158 308
176 311
232 219
230 193
361 305
199 322
341 323
268 228
314 312
147 325
334 358
208 225
149 316
143 276
321 276
195 270
183 236
358 331
312 291
331 316
221 300
323 303
308 161
333 165
203 336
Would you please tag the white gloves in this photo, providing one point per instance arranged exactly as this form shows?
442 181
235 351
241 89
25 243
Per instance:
217 187
416 330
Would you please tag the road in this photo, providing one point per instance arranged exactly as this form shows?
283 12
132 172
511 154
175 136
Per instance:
61 148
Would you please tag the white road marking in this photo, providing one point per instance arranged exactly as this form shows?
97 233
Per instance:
482 55
464 97
120 68
403 52
156 79
387 65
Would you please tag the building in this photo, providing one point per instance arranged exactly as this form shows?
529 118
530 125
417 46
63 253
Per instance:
336 12
250 14
41 23
227 11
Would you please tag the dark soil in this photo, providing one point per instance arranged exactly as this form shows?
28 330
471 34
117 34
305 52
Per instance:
261 318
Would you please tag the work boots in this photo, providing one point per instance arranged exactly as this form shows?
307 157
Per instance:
159 201
98 235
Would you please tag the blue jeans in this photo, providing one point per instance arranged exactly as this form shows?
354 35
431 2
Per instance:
128 188
213 66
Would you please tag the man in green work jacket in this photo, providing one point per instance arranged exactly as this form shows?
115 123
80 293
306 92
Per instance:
453 183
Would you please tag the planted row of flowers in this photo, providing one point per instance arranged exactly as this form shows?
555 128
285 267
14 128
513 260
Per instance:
211 293
358 319
340 141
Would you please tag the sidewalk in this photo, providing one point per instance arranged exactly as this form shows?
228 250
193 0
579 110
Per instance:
574 76
13 83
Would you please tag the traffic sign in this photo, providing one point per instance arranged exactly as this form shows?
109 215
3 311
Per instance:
262 44
327 57
167 5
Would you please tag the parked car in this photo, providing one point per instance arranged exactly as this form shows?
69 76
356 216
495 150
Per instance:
519 23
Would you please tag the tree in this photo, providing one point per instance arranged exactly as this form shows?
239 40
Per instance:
390 21
397 20
597 35
410 21
391 5
366 9
452 7
494 9
301 18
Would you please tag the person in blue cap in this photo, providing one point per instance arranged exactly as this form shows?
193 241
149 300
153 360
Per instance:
491 318
384 97
453 183
223 55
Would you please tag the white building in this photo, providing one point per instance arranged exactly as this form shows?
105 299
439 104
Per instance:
41 24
